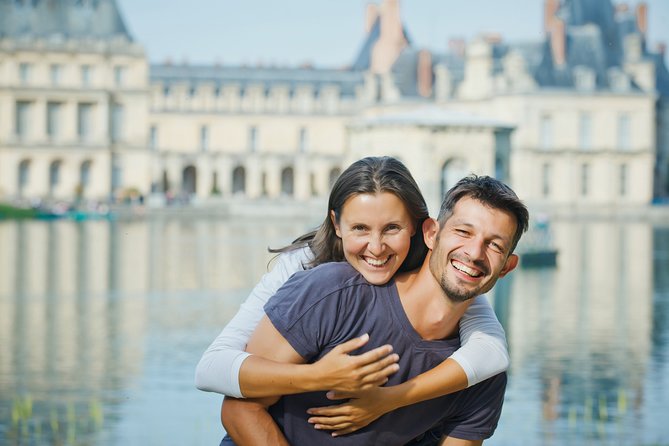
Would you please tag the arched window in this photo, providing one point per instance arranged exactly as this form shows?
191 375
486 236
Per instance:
24 176
54 175
85 174
189 180
453 171
287 181
334 174
239 180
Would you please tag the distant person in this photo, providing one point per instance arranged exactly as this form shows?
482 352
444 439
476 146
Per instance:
374 221
469 247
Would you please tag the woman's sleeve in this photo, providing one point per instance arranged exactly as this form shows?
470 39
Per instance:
483 352
218 369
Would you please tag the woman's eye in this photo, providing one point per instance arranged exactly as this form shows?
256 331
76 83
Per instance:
358 228
393 228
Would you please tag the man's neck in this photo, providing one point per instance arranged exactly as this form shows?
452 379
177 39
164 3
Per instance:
432 314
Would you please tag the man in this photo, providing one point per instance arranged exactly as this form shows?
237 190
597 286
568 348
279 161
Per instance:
470 246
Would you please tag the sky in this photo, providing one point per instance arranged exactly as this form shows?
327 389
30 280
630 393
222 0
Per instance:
325 33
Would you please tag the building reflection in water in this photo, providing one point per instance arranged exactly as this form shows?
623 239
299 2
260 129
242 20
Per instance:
97 311
76 303
580 334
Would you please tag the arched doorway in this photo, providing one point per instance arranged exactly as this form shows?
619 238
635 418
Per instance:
54 175
334 174
452 171
287 181
239 180
189 181
23 177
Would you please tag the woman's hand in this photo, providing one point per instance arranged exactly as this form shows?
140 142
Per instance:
361 409
339 371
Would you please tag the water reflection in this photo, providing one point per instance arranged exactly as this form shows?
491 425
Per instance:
101 324
81 303
580 340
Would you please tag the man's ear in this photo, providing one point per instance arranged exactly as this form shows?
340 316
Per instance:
510 265
333 219
430 232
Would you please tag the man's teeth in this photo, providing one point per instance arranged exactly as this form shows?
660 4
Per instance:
465 269
377 262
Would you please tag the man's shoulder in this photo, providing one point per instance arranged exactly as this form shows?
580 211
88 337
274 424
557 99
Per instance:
330 277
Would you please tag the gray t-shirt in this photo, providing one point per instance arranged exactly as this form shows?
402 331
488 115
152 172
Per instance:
318 309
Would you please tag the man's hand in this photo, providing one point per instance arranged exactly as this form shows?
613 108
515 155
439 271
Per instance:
361 409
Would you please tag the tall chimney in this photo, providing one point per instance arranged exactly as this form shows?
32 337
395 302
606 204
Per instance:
424 75
558 43
642 17
371 16
551 8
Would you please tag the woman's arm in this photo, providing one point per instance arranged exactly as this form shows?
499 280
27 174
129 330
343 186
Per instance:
218 369
483 352
226 368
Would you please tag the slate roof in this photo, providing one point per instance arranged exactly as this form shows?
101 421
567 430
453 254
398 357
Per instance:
345 80
434 116
76 19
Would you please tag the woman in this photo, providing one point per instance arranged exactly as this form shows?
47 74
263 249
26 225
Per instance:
377 249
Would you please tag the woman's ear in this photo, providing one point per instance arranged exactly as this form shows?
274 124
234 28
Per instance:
333 219
430 232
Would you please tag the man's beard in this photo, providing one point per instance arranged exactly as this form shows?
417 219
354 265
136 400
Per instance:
452 291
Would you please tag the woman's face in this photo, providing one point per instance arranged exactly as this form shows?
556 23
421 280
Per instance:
375 230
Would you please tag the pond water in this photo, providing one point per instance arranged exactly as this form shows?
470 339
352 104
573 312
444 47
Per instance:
102 323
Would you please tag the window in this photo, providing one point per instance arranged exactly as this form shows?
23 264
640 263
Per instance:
117 122
622 174
54 74
84 112
304 140
119 75
546 132
253 139
153 137
312 184
334 174
54 175
204 138
585 132
53 119
624 140
86 75
25 71
85 174
287 181
24 175
238 180
546 179
585 179
22 125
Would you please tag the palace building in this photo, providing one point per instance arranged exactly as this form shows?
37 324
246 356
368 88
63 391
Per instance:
576 119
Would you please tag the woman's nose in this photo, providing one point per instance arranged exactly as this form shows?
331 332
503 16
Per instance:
375 244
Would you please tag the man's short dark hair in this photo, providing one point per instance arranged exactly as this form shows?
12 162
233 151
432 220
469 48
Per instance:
491 192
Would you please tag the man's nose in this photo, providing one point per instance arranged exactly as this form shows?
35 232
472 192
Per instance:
475 248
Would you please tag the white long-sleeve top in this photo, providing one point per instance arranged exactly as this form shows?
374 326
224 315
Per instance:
483 352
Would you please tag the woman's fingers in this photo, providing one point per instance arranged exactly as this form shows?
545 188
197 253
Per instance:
379 370
373 356
353 344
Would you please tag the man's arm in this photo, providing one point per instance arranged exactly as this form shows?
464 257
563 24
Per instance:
247 421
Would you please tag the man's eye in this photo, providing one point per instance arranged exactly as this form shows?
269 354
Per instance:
497 247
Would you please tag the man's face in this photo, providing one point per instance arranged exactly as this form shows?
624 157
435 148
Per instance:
471 251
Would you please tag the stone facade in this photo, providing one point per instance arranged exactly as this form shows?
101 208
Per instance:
578 119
